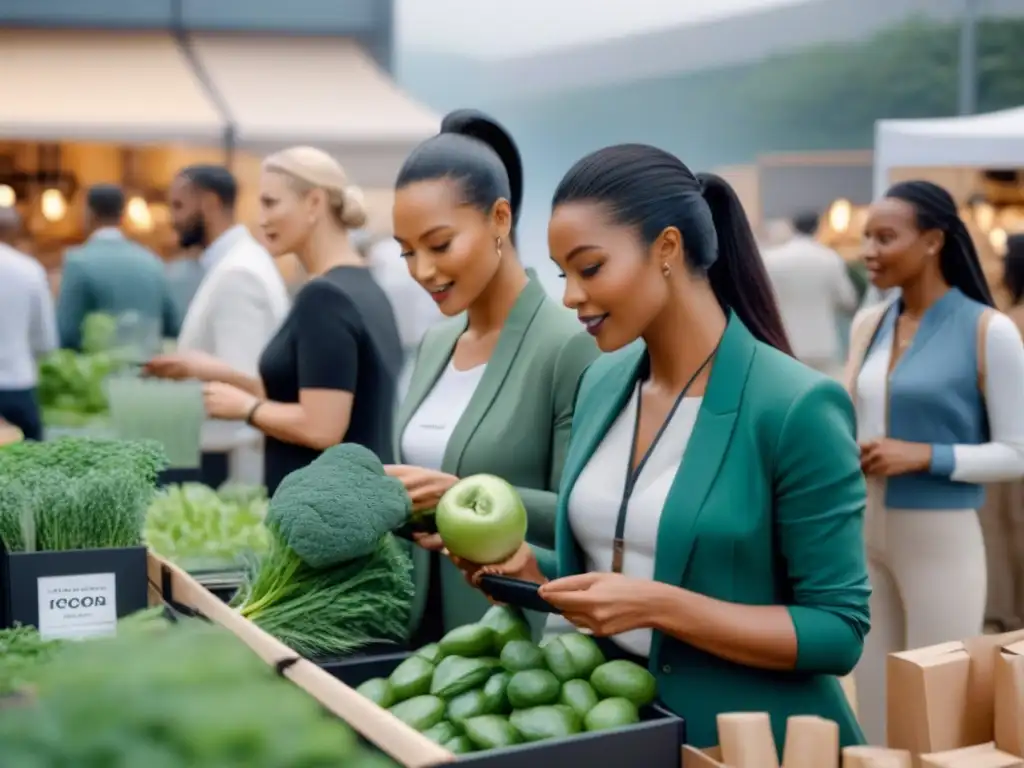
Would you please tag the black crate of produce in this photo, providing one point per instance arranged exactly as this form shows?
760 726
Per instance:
654 742
74 594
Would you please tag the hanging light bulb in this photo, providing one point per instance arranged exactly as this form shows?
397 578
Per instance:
53 205
7 196
998 238
840 214
984 214
138 214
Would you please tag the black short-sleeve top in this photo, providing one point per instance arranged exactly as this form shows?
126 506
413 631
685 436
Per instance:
340 334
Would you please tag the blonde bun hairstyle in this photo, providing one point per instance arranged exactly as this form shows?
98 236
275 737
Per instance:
309 168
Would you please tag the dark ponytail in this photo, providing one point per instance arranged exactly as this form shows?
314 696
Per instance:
738 276
1013 268
958 261
653 190
475 151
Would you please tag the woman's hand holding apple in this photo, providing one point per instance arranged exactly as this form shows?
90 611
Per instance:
522 565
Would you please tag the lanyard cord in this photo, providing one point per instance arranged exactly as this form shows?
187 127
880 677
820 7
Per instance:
619 544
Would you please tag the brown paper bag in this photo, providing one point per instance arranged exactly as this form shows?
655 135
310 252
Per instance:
1009 698
980 756
746 740
811 742
700 758
876 757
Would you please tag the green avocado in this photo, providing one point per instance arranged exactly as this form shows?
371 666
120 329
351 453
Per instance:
419 712
470 641
624 679
549 722
491 732
455 675
379 691
411 678
611 713
519 655
580 695
532 688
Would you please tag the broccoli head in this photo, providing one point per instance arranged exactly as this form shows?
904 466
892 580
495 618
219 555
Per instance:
336 509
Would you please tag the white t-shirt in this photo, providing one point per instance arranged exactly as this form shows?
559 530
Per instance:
595 499
426 436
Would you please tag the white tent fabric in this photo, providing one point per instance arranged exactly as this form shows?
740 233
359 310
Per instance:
992 140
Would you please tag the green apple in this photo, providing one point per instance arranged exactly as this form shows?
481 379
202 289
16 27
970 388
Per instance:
481 519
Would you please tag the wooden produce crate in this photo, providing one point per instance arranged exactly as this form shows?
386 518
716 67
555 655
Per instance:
171 585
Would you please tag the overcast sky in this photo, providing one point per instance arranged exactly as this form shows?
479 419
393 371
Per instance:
494 29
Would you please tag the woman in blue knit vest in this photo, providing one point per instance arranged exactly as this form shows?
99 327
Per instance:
937 377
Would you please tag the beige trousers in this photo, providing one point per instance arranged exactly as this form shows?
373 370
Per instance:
1002 523
928 581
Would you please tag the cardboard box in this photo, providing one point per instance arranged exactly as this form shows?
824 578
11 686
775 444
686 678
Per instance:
72 595
942 697
980 756
702 758
876 757
746 740
811 742
1009 698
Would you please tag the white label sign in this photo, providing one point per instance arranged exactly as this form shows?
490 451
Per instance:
77 607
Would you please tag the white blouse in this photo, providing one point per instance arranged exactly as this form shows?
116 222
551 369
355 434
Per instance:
998 460
426 436
595 499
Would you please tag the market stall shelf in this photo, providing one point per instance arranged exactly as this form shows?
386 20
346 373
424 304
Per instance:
71 595
655 742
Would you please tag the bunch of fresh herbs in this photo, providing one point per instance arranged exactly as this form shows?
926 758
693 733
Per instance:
76 493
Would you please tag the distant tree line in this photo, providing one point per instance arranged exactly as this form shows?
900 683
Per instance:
825 97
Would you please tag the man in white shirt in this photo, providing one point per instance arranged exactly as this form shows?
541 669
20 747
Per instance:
813 288
238 306
28 329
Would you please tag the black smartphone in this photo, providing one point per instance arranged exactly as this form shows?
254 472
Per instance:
421 525
516 592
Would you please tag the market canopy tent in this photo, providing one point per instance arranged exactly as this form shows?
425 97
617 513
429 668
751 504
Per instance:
322 91
993 140
132 87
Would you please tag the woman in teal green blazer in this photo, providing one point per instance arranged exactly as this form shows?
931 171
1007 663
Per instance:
710 514
492 388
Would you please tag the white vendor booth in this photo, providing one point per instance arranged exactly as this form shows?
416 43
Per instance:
993 140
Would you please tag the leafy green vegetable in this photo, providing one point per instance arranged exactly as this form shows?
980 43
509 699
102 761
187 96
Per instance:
334 578
99 333
202 529
332 611
190 697
71 391
75 493
337 508
22 653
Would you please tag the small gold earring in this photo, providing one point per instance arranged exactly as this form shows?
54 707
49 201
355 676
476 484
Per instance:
666 270
498 246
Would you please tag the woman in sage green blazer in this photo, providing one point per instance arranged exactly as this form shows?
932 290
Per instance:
492 387
710 515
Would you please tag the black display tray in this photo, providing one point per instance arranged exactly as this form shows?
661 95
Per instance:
655 742
74 607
